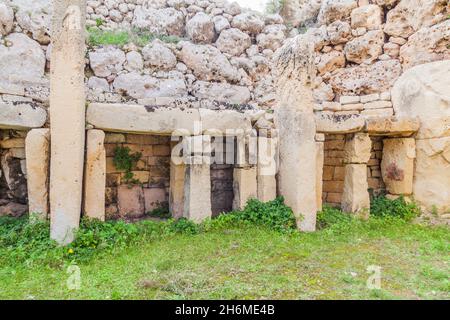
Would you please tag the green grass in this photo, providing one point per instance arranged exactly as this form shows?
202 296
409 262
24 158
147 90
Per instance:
98 37
253 254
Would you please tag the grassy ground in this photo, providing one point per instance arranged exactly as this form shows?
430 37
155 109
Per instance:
255 263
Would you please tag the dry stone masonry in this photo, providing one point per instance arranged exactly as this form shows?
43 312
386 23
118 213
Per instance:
325 102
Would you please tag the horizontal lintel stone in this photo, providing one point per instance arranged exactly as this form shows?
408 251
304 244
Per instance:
21 116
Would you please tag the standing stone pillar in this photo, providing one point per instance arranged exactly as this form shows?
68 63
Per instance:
267 168
320 153
297 129
197 188
37 153
177 175
67 114
95 175
355 197
244 186
397 165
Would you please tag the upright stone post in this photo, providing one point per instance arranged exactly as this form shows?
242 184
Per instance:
297 129
320 153
37 152
267 168
197 188
67 114
95 175
355 197
244 186
177 175
397 165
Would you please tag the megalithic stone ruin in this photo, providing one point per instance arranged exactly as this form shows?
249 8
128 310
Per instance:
67 113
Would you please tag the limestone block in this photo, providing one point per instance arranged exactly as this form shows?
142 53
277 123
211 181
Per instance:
130 200
176 192
432 174
244 186
95 175
397 165
21 116
392 126
329 123
67 111
37 166
427 98
368 16
141 119
319 173
267 168
154 198
357 149
197 188
223 121
355 198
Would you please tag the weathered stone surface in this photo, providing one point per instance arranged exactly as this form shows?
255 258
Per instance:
67 113
156 54
397 165
339 32
319 172
13 175
233 41
267 168
329 62
207 62
197 188
355 198
21 116
134 61
425 97
365 49
95 175
98 84
427 45
141 119
220 23
176 192
378 77
200 28
392 126
272 37
368 17
223 92
249 22
21 59
328 123
166 21
154 198
13 209
6 18
106 61
333 10
221 121
300 12
38 160
411 15
324 92
144 86
35 18
244 186
357 149
130 200
432 174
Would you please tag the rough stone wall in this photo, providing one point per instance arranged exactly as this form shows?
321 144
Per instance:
334 169
151 172
362 47
207 50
